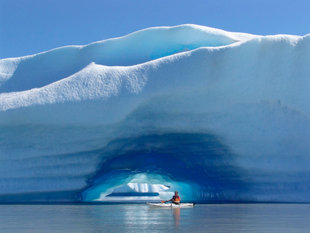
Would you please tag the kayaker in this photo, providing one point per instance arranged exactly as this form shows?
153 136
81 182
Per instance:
176 198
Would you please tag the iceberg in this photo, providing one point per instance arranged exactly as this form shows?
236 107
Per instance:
219 116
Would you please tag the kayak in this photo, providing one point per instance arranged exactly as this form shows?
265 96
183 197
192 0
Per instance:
171 205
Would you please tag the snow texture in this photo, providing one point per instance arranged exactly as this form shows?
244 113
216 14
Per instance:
219 116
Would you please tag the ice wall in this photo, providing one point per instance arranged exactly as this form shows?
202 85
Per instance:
219 116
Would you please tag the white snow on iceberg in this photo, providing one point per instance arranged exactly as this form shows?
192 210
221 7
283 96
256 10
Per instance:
220 116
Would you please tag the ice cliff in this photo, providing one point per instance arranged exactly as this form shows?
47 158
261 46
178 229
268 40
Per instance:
220 116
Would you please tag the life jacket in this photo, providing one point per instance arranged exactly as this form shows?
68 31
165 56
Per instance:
176 198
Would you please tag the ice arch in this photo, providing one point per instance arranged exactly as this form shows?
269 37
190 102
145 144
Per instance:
199 165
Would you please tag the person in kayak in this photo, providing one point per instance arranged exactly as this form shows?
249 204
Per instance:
176 198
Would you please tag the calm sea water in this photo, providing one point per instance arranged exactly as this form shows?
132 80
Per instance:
141 218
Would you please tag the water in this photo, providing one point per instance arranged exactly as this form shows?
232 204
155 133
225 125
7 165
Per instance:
141 218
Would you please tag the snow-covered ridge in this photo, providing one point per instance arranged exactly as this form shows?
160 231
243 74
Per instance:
97 81
216 115
37 70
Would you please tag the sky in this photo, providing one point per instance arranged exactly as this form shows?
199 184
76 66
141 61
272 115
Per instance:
32 26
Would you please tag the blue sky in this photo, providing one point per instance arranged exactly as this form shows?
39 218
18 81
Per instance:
32 26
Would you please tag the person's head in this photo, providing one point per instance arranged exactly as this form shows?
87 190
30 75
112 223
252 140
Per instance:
176 193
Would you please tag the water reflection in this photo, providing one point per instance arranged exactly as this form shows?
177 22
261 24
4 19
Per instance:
142 218
176 216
